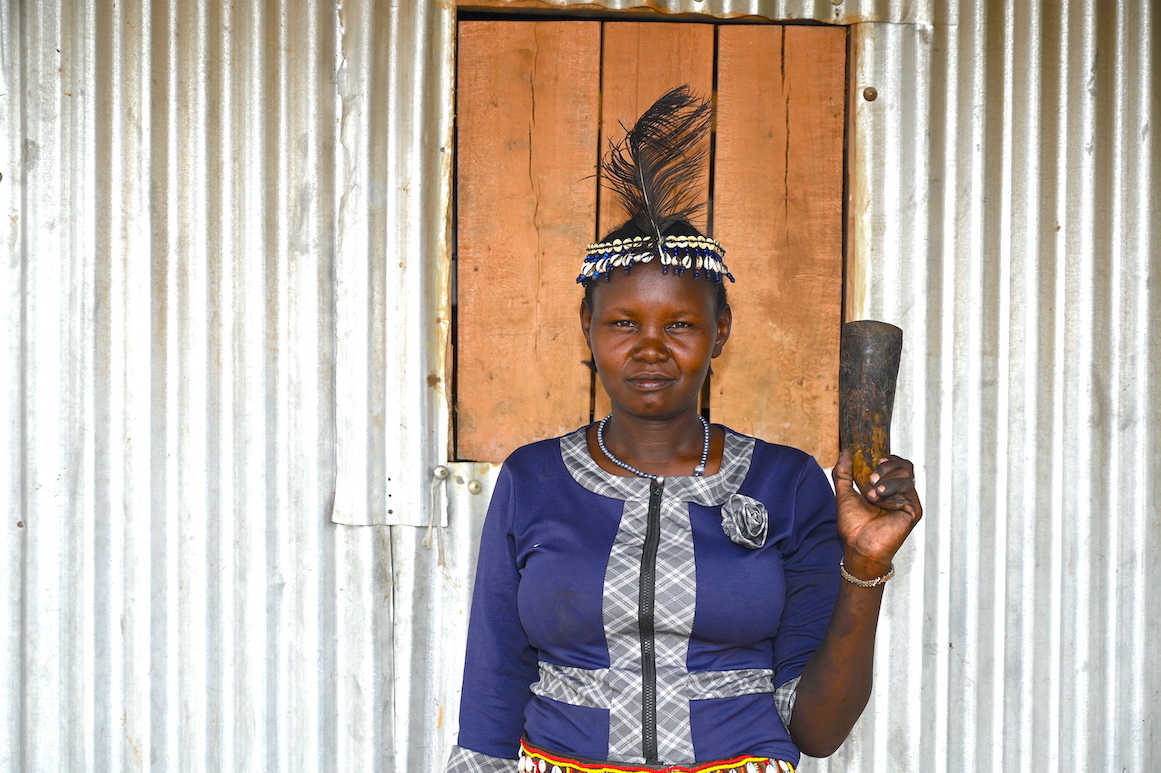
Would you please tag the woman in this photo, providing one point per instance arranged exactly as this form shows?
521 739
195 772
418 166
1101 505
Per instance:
654 592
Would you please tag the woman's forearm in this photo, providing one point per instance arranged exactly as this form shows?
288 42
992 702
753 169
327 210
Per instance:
836 683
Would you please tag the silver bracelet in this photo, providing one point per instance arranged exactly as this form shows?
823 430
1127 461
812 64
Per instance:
865 583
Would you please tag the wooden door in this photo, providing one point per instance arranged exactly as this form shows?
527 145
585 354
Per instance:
536 101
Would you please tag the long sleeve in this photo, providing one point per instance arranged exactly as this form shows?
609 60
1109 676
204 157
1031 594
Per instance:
812 578
500 665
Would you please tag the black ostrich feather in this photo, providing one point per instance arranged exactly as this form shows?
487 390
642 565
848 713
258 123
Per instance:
654 170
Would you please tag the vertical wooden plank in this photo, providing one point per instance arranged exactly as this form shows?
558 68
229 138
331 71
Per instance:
642 61
527 97
778 209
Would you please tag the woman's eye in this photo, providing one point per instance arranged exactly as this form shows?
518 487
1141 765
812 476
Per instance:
622 323
680 325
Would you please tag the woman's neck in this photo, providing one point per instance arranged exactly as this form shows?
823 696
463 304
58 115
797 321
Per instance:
656 446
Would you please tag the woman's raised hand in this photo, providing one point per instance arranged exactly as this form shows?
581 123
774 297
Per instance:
873 527
836 682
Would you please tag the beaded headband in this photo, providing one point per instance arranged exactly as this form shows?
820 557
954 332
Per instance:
682 253
655 172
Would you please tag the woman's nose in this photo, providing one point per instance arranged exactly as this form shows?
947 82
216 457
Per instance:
651 346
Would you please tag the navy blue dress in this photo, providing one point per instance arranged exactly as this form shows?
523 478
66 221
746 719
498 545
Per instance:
558 650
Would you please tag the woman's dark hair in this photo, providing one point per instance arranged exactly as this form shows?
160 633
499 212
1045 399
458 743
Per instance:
680 228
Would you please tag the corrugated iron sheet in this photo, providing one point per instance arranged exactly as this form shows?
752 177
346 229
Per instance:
825 11
225 319
393 160
1002 185
189 188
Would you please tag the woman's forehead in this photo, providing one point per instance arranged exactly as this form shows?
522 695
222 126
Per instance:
647 284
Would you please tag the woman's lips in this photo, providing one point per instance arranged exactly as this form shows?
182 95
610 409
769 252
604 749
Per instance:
649 383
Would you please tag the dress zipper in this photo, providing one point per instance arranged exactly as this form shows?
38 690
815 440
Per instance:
645 623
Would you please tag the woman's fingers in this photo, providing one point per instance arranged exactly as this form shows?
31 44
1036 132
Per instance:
892 467
893 486
885 488
843 477
874 526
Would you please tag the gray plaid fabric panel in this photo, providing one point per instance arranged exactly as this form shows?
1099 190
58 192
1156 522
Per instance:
597 688
708 491
703 685
674 603
622 580
574 451
622 577
467 761
618 688
784 699
592 687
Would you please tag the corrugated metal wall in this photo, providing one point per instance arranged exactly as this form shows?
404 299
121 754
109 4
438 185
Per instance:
1007 180
224 307
197 198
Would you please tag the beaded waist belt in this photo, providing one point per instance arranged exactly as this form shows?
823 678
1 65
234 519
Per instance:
533 760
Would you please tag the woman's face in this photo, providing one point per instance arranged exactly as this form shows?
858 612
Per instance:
652 336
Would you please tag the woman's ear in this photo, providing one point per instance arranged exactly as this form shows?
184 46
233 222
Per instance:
725 322
586 320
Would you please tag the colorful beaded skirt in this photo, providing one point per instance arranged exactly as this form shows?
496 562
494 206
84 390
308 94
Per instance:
534 760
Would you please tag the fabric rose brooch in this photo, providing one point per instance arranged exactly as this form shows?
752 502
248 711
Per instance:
744 521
